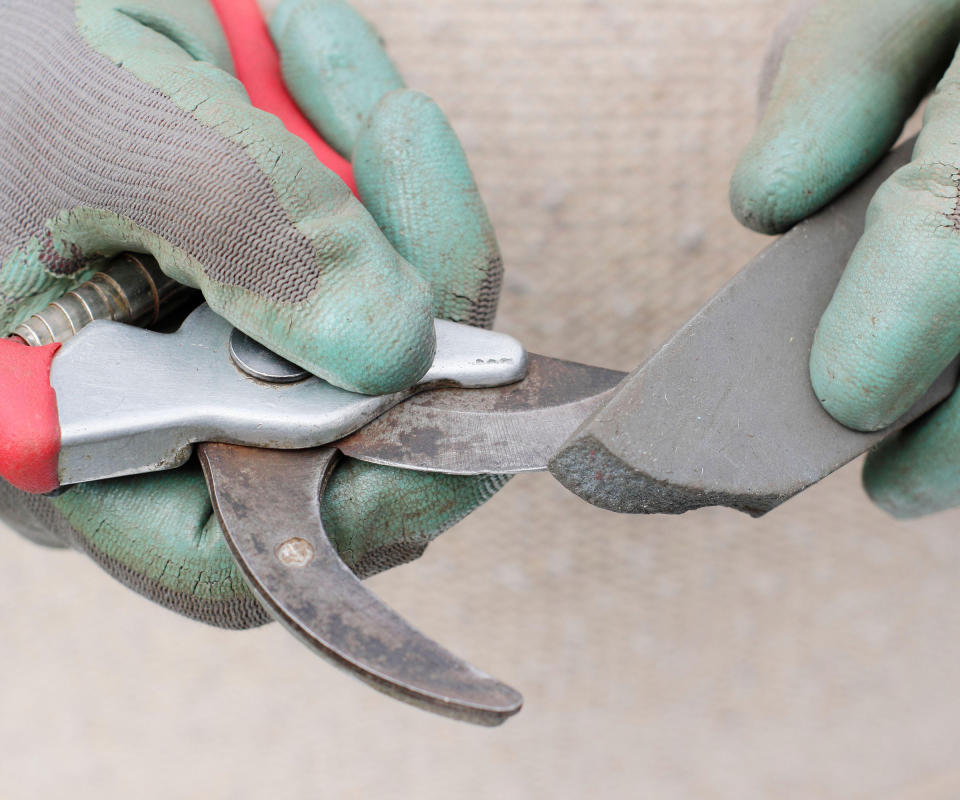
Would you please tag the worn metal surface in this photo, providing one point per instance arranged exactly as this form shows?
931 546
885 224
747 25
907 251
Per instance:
724 414
468 432
268 504
133 401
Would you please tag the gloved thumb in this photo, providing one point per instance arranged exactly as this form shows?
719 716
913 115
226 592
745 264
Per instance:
228 201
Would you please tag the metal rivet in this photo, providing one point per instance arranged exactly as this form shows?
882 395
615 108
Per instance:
260 363
295 552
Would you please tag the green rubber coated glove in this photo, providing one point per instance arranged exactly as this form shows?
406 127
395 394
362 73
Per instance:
844 79
122 128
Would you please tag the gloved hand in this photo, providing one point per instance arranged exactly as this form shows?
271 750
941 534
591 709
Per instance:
121 128
844 77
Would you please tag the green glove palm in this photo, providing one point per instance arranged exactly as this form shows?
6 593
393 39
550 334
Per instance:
850 75
125 130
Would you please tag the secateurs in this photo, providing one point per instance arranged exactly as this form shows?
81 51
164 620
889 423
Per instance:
722 415
269 435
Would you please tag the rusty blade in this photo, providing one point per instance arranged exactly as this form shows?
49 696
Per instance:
509 429
268 504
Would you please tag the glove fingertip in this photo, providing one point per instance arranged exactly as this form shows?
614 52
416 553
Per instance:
849 392
399 353
766 194
897 483
915 472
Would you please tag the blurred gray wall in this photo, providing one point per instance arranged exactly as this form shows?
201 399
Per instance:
810 654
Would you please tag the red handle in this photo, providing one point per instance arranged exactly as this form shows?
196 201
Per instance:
29 425
258 68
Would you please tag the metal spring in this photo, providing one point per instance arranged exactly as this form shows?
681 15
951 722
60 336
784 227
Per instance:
130 289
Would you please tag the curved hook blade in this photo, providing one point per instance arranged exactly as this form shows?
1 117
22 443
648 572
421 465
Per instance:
268 504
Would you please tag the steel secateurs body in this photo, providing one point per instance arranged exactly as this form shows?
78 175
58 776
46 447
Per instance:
268 435
94 398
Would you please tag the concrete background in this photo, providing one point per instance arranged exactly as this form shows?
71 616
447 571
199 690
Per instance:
810 654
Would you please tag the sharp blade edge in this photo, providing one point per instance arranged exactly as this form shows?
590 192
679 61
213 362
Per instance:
508 429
